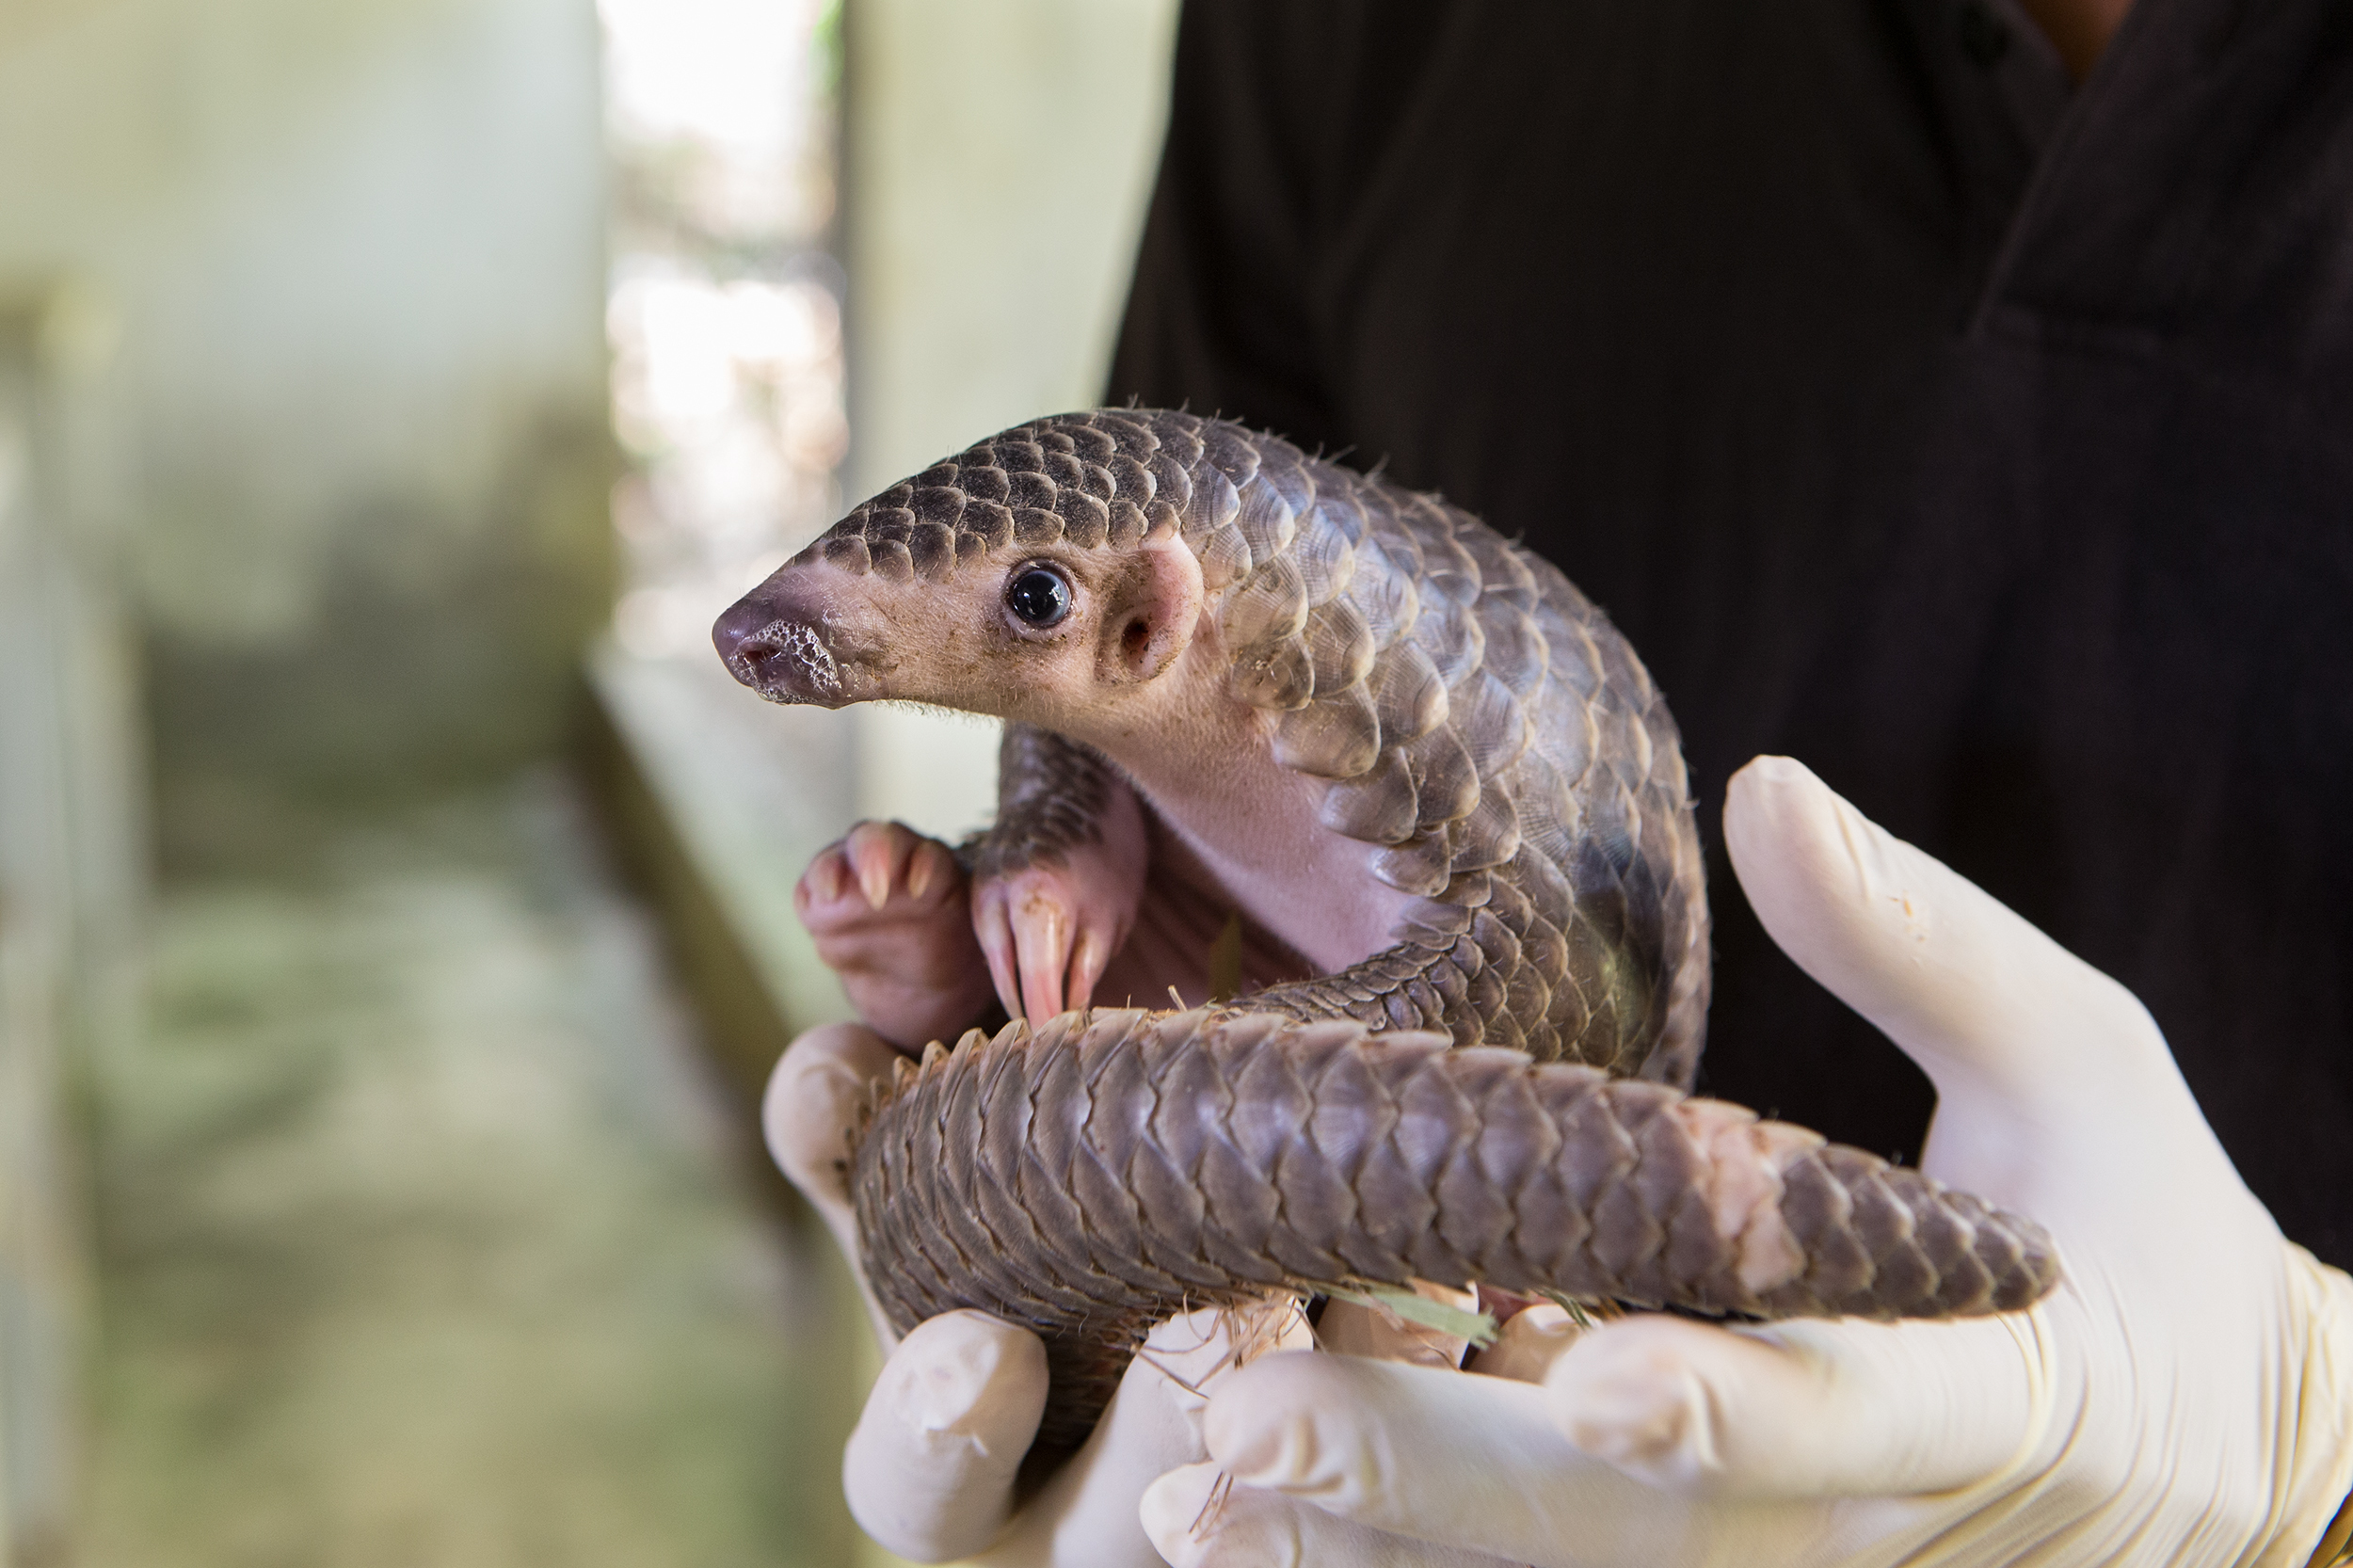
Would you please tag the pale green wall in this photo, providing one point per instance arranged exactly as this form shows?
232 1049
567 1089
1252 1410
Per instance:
68 902
347 445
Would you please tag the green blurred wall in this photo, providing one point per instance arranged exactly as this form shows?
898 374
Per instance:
70 896
338 274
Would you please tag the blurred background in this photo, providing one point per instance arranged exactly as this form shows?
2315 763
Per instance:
394 893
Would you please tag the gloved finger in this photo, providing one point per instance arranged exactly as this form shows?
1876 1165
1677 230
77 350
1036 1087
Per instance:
2046 1058
814 1100
1198 1518
1476 1462
1086 1516
929 1470
1805 1409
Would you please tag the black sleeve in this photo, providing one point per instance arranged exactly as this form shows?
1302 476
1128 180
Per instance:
1275 112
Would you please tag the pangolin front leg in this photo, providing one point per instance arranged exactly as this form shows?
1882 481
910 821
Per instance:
889 910
1058 877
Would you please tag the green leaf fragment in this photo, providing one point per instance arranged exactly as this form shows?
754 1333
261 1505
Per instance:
1476 1327
1574 1307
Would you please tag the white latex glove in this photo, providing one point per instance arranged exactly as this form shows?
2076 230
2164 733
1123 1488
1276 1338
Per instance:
930 1469
2186 1397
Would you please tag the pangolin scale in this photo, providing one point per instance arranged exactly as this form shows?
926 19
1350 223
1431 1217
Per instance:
1503 756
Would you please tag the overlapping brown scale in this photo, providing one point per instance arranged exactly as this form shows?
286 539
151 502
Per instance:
1033 489
1392 605
1420 864
1445 780
938 503
1378 806
1323 552
1448 571
1339 645
1126 525
1034 528
1086 521
1065 468
1332 737
1490 723
1051 791
1224 555
1091 441
1407 693
1451 637
1488 833
1289 471
1216 507
1275 676
932 547
1265 517
1270 606
990 522
1132 429
1108 1169
1563 734
1507 575
1516 653
1170 480
1130 479
1229 449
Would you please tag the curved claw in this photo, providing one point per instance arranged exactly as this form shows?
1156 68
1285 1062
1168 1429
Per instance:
994 928
1089 956
1050 928
1041 933
1046 940
879 855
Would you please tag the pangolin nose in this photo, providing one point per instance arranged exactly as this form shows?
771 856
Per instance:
747 639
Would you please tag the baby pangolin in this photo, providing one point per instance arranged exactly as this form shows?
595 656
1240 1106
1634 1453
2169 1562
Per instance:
1439 791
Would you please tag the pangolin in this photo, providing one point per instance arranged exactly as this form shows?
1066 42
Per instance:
1411 753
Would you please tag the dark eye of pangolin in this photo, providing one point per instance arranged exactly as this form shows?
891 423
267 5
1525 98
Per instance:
1040 597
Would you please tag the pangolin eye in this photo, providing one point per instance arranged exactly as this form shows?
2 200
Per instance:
1039 596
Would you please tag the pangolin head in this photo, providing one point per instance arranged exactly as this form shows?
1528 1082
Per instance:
1058 571
1021 577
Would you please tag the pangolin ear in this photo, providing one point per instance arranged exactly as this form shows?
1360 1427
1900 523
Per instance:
1152 621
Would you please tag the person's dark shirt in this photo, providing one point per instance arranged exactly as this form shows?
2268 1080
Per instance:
1984 442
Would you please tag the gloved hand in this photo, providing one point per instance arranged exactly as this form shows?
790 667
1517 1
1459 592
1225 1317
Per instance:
2186 1397
930 1469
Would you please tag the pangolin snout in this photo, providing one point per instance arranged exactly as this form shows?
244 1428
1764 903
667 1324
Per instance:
776 652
